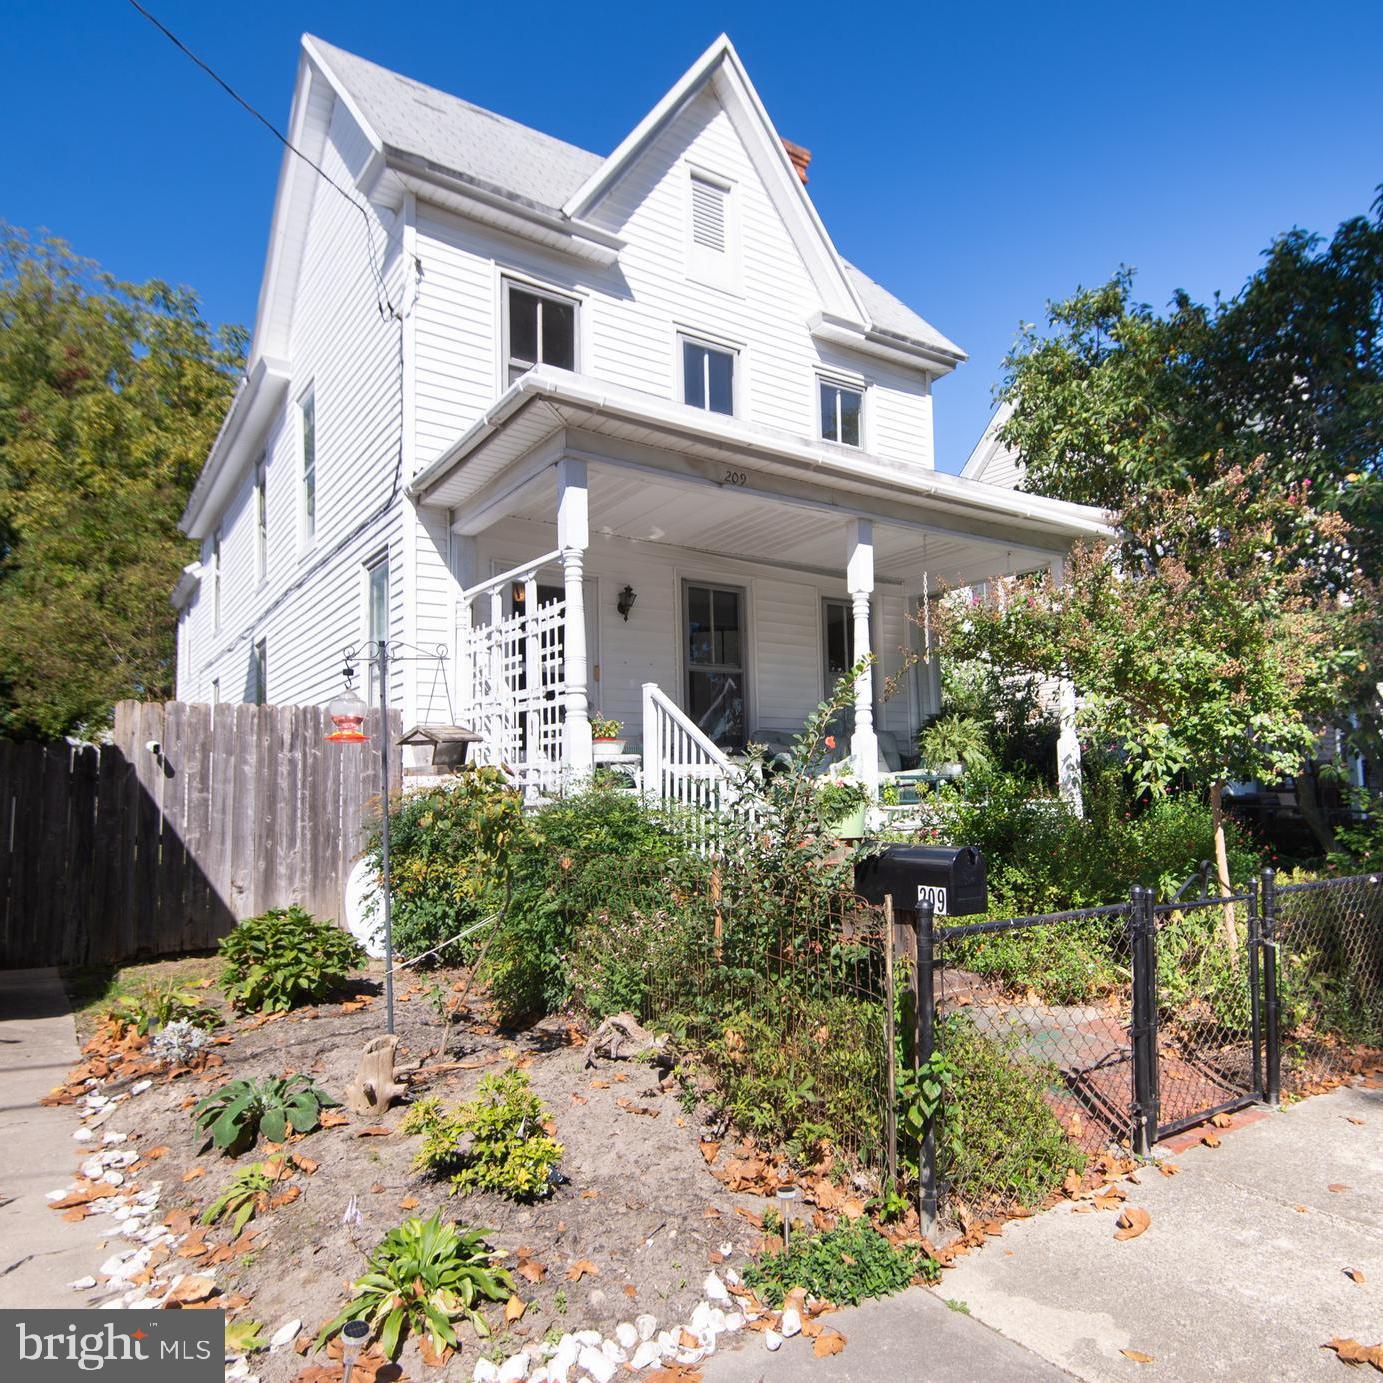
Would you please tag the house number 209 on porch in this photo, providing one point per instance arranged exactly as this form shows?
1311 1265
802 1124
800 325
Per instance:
935 894
736 478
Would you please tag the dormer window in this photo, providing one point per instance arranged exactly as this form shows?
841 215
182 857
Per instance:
841 408
539 329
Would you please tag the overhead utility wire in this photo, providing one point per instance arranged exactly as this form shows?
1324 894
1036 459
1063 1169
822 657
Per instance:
382 300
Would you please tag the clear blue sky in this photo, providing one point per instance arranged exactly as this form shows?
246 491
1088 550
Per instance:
978 159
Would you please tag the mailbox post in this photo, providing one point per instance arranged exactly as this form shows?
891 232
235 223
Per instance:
918 884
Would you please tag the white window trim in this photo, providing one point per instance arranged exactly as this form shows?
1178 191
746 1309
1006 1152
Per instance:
508 279
216 590
745 585
737 372
381 557
307 538
714 269
855 386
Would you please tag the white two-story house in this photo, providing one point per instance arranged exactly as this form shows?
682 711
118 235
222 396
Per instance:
584 435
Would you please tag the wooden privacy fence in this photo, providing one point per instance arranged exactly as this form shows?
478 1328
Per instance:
121 850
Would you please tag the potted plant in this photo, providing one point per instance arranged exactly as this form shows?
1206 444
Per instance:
844 802
607 736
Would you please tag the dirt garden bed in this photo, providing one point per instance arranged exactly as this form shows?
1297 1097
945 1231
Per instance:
635 1227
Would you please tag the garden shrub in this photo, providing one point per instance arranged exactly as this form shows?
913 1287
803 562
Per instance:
843 1266
496 1142
451 851
588 860
801 1073
284 957
999 1138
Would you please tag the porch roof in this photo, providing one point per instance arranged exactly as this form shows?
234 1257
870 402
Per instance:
493 470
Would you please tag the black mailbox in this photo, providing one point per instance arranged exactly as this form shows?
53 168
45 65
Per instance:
952 878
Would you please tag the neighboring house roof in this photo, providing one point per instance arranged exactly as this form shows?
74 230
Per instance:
894 317
992 461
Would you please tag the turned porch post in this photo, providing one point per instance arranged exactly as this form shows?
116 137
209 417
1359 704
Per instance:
864 746
573 537
1067 739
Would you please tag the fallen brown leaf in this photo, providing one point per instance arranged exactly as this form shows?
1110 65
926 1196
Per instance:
827 1343
286 1197
533 1272
305 1164
1210 1140
408 1203
1137 1356
192 1173
333 1118
1168 1169
1352 1352
581 1268
710 1150
191 1289
1338 1187
373 1131
1132 1223
1221 1120
1355 1275
153 1154
78 1212
514 1309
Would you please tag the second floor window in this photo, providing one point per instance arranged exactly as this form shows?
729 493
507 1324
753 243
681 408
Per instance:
708 377
259 674
539 330
841 407
216 581
261 523
309 423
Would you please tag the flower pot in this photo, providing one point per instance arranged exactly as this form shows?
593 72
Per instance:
608 749
851 825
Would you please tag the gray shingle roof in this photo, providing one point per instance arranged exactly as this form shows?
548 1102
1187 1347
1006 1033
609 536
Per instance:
515 161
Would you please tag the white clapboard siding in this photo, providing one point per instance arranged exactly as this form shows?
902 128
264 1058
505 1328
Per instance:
311 603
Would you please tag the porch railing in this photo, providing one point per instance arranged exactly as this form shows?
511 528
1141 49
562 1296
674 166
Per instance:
684 768
512 676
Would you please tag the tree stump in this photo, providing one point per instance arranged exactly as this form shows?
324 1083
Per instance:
374 1088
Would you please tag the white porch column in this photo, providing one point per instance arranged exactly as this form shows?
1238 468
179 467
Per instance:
859 574
573 537
1067 740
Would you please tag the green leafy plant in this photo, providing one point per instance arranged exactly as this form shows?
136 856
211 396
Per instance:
236 1114
956 738
245 1195
244 1337
496 1142
604 728
424 1276
452 851
154 1006
844 1266
284 957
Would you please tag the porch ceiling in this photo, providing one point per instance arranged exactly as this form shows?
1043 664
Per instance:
633 505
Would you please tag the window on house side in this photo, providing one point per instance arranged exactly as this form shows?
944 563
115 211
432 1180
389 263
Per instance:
376 613
216 581
261 523
309 416
840 413
259 673
708 377
541 331
838 639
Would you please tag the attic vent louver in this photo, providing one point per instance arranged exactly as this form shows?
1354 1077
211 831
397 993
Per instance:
708 215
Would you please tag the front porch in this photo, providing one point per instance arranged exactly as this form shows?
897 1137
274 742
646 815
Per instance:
703 585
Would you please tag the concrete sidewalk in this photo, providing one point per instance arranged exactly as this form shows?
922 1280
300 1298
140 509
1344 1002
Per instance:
40 1252
911 1338
1242 1272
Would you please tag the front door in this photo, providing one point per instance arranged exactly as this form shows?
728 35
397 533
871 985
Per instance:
715 653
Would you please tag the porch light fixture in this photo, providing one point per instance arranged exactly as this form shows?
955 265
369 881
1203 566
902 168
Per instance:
626 600
347 714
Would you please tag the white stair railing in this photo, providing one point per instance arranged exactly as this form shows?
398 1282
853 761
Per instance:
511 676
684 768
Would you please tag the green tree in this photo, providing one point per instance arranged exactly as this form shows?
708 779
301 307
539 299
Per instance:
1213 663
110 397
1115 402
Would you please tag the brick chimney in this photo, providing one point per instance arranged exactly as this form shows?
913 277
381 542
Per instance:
800 157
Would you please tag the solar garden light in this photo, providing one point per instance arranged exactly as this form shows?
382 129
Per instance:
785 1196
353 1337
